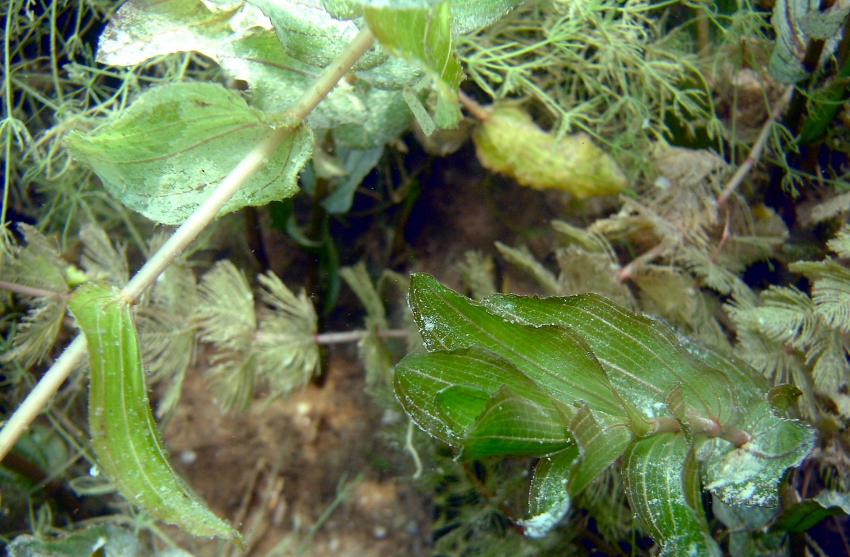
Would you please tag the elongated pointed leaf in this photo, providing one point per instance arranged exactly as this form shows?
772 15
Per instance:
124 435
548 497
600 440
556 359
472 15
512 425
642 358
429 386
164 154
655 474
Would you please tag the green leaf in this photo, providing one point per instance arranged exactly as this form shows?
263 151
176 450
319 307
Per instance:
106 540
523 258
126 443
643 359
556 359
469 16
308 33
424 35
164 154
101 260
655 471
358 164
426 386
509 142
601 441
548 498
809 513
512 425
750 474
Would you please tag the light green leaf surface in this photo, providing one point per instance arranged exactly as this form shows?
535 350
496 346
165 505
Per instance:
469 16
423 35
124 436
642 357
654 470
243 42
164 154
750 475
548 497
556 359
807 514
308 33
108 540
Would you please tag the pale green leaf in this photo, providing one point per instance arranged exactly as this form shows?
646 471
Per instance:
37 263
108 540
358 163
785 315
511 143
654 471
423 34
311 35
750 474
548 497
163 156
385 117
358 279
556 359
36 333
124 436
469 16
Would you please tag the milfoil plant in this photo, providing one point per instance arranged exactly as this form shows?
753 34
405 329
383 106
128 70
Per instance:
585 384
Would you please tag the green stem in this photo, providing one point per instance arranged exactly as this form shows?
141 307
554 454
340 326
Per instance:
184 235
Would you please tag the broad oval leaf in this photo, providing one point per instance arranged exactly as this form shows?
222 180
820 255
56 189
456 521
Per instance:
554 358
600 441
124 435
656 472
163 155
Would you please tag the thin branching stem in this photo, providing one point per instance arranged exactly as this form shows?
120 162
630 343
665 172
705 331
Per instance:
184 235
355 336
756 151
29 290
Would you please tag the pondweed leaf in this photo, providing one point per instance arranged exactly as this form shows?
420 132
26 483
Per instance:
548 497
621 387
124 436
510 143
555 358
174 144
423 35
655 471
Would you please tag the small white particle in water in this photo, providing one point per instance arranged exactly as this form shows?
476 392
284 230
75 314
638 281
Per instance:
99 542
94 472
379 532
428 325
303 408
188 456
662 183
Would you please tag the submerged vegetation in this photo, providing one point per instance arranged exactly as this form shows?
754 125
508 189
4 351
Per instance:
674 380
